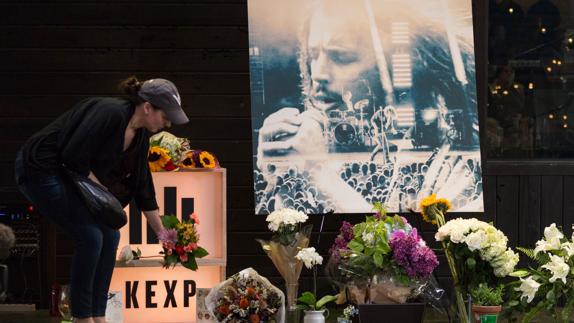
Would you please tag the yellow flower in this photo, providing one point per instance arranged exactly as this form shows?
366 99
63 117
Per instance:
187 161
157 158
431 205
207 160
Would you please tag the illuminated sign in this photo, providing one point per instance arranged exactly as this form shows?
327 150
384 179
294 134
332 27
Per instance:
152 293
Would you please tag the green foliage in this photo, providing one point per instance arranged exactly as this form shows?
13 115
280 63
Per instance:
471 269
371 253
379 207
308 302
541 258
200 252
487 296
169 221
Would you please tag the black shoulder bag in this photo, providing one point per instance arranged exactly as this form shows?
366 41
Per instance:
102 204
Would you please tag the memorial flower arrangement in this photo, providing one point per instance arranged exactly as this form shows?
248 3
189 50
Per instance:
549 283
476 251
165 151
180 242
246 297
170 153
198 159
289 237
381 260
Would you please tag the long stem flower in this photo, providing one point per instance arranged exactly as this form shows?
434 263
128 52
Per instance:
433 211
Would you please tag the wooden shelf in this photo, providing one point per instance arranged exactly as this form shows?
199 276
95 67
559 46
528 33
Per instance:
157 262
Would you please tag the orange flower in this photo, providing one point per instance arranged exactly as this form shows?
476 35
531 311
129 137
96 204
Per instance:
224 309
250 291
254 318
243 303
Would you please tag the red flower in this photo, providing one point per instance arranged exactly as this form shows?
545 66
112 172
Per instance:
250 291
179 250
243 303
169 166
183 257
224 309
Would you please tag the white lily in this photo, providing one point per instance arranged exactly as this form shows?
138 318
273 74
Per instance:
528 287
558 268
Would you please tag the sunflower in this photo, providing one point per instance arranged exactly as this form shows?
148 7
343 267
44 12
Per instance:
431 207
207 160
157 158
188 161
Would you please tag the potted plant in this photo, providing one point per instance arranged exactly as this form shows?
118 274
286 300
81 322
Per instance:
314 309
379 265
486 302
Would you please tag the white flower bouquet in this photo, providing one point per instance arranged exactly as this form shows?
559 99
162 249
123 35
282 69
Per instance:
481 248
550 283
289 238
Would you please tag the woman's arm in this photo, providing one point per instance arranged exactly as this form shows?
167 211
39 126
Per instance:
154 220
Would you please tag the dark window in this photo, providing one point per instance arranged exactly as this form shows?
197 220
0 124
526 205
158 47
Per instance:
530 112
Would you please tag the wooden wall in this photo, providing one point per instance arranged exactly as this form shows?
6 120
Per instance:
55 52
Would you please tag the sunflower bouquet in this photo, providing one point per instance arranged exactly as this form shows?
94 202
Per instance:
180 242
197 158
166 151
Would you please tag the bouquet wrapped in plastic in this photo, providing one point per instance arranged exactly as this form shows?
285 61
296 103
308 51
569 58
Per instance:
166 151
246 297
289 237
382 260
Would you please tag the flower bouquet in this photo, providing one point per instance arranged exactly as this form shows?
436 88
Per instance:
198 159
287 240
550 283
382 260
246 297
476 251
166 151
180 242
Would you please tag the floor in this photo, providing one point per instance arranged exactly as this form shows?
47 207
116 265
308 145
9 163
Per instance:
41 316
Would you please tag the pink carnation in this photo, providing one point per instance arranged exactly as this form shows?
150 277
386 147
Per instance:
195 218
190 247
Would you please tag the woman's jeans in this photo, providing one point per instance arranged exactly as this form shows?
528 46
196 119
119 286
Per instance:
95 245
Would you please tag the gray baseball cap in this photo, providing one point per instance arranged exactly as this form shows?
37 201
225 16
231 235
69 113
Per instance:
163 94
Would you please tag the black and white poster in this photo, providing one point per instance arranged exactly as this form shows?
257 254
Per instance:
363 101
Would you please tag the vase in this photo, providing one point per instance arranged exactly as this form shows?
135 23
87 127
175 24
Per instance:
486 314
282 255
64 303
404 313
467 301
315 316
